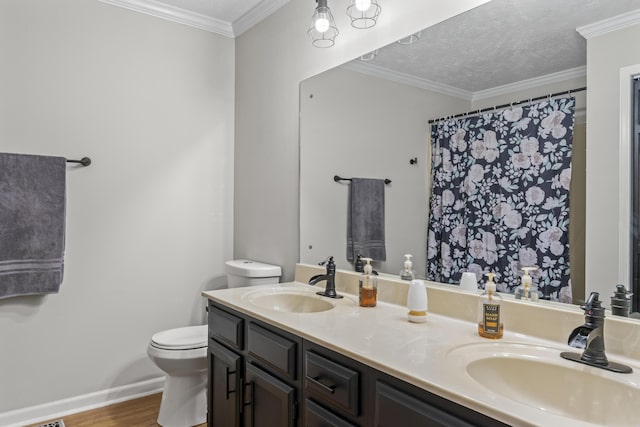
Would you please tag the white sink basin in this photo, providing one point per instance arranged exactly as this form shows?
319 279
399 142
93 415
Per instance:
538 377
289 301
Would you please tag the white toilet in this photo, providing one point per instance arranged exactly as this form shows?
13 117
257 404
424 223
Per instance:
182 354
243 272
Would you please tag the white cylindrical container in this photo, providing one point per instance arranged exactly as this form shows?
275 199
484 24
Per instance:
469 282
244 272
417 301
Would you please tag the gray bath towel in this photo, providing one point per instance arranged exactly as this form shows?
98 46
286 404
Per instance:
365 219
32 224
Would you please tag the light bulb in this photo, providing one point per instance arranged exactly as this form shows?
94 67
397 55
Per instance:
322 23
363 5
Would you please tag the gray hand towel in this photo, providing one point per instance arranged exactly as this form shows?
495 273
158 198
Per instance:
365 219
32 224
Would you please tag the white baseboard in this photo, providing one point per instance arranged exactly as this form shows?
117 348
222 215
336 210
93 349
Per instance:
72 405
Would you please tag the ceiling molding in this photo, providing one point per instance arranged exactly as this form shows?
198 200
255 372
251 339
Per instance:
385 73
611 24
394 76
262 10
176 14
560 76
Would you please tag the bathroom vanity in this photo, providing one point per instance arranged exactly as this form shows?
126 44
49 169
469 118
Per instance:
284 356
261 375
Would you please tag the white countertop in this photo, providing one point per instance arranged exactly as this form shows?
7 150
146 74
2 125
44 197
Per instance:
423 354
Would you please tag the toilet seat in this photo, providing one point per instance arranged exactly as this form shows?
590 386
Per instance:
187 338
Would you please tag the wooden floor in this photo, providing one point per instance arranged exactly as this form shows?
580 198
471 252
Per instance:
138 412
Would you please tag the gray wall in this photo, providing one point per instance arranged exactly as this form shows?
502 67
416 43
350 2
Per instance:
149 223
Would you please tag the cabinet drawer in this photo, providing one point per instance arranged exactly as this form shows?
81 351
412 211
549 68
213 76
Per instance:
394 407
317 416
226 327
331 382
272 349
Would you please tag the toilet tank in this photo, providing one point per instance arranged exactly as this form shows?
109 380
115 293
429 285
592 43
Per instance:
244 272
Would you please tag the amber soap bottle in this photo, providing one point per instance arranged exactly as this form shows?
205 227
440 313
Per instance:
368 289
489 316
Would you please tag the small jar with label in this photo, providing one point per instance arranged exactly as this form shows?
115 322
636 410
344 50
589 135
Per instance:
489 316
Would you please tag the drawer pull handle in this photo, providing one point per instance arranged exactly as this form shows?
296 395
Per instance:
316 380
229 372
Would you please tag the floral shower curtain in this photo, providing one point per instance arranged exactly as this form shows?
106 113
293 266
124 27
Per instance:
500 197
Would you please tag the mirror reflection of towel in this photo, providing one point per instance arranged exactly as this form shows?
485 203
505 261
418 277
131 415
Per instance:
32 224
365 219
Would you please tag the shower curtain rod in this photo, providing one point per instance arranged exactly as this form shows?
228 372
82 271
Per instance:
511 104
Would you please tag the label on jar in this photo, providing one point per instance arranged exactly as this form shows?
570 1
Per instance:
491 318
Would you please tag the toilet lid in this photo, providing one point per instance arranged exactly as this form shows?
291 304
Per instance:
181 338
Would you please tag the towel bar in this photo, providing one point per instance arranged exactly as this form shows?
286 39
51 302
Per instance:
336 178
85 161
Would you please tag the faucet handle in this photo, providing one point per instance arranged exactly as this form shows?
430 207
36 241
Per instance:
591 301
327 261
593 309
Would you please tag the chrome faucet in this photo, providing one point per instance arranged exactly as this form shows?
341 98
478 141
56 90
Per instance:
590 337
330 277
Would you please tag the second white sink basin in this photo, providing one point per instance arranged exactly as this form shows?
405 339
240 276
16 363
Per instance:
537 376
289 301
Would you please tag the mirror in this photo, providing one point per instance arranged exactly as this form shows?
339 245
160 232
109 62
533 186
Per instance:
370 118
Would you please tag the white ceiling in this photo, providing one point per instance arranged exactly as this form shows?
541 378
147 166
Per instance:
227 17
500 43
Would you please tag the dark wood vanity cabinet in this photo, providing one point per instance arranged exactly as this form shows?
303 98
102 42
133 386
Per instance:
396 403
254 372
260 376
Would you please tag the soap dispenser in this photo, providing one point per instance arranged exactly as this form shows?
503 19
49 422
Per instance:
527 290
417 302
359 265
407 272
489 317
368 289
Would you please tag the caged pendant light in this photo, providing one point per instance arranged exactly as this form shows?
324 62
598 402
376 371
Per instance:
363 13
323 29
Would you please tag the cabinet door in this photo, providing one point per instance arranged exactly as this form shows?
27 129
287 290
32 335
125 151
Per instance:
224 385
268 401
394 408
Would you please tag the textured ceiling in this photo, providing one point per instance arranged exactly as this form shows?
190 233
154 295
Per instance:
502 42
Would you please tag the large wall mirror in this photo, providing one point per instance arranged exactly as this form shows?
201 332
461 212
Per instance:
369 117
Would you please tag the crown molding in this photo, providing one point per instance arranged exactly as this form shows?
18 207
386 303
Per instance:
176 14
385 73
560 76
394 76
610 24
161 10
262 10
